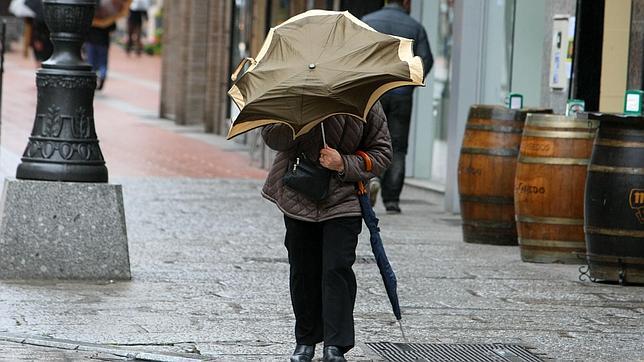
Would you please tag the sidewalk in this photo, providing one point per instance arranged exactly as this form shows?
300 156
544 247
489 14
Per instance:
210 274
134 141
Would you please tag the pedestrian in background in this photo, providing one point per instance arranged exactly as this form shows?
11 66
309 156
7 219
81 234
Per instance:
40 41
97 45
35 34
138 14
394 19
321 236
97 49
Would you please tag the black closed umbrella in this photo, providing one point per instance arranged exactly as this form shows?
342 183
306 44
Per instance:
378 249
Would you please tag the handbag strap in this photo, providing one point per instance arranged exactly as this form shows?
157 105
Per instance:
368 165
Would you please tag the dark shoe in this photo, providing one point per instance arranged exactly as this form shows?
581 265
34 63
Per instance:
374 188
392 208
303 353
100 82
333 354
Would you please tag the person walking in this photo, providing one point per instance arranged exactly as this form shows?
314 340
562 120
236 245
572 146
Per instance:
138 14
97 47
321 237
394 19
40 41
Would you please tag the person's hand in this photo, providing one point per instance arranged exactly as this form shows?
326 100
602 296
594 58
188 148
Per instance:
331 159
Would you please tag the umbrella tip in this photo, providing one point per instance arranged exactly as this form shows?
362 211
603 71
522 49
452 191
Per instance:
311 66
402 330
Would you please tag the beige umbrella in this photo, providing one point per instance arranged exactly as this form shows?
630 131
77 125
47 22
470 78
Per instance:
317 64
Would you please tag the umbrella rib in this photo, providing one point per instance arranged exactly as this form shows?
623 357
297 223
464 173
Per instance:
328 38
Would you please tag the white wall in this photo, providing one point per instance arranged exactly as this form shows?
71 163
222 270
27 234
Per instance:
421 134
529 32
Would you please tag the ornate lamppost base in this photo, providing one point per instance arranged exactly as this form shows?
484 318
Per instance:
63 145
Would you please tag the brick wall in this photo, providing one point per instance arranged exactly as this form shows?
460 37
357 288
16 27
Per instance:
169 62
218 66
195 62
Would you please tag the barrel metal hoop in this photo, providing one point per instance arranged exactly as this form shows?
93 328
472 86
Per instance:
502 152
580 124
489 224
553 243
616 143
555 160
499 200
614 232
612 169
559 134
615 259
549 220
498 129
621 132
496 113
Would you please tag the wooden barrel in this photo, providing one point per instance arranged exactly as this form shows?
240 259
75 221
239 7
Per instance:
614 200
486 173
549 187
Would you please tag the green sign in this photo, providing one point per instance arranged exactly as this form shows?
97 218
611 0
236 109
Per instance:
633 102
515 101
574 106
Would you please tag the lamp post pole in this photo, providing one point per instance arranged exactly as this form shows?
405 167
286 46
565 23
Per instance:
63 145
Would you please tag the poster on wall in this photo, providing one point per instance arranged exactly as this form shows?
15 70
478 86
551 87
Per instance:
563 33
570 46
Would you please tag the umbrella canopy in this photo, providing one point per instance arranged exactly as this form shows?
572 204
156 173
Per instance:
109 11
318 64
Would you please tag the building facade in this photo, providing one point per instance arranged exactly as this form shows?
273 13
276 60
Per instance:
549 51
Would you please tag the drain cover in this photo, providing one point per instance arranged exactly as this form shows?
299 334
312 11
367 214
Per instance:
410 352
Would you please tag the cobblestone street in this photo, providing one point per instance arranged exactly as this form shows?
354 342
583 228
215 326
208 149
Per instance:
210 274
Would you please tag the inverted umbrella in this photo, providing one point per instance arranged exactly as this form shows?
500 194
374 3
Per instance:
318 64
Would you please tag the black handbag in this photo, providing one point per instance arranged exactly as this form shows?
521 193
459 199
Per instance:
308 178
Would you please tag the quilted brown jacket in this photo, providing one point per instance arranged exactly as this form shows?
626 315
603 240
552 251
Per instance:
347 135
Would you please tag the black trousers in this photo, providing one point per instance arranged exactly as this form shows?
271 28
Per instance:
323 286
397 107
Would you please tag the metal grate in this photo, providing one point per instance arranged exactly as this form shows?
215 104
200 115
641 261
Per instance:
410 352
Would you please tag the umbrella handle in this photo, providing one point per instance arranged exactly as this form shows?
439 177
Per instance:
240 66
368 165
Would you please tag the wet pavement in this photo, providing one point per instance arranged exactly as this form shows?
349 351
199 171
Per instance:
209 271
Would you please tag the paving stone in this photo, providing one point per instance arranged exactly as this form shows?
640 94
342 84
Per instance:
208 271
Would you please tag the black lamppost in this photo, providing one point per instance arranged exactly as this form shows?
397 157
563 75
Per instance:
63 145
